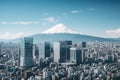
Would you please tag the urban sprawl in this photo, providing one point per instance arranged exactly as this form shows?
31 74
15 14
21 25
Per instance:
60 60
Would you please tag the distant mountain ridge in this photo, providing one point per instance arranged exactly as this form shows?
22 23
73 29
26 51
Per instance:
67 36
62 33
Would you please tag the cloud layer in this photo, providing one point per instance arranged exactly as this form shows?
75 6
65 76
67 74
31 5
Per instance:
22 22
75 11
50 19
113 33
8 35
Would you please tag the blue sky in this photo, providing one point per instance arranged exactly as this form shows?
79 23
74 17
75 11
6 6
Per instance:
92 17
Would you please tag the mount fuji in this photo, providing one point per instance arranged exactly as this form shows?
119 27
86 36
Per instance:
62 33
59 28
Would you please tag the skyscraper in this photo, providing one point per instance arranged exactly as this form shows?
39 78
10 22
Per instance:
0 48
35 52
83 44
75 55
84 54
26 52
44 50
62 51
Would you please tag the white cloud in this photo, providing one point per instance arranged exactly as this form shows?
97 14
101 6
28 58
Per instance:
22 22
113 33
75 11
50 19
8 35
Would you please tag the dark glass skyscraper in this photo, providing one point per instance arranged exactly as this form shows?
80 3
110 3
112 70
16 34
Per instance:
0 48
44 49
83 44
62 51
26 52
75 55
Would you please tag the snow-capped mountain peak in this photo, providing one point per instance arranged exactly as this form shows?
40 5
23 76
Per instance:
59 28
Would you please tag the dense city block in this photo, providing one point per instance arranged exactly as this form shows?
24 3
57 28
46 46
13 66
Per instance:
60 60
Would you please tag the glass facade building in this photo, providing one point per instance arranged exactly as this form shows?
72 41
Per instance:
83 44
75 55
62 51
26 52
44 50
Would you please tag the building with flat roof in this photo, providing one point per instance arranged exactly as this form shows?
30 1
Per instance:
26 52
62 51
75 55
44 49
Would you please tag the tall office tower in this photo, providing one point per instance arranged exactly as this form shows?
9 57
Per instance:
83 44
68 45
76 55
84 54
26 52
1 44
62 51
0 48
44 50
35 52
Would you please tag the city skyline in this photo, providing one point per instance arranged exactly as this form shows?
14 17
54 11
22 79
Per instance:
90 17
